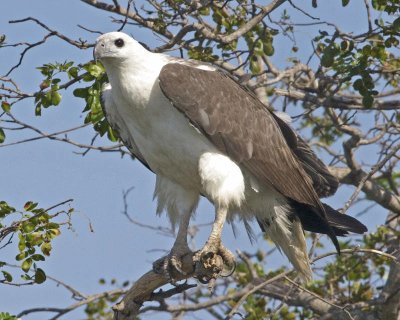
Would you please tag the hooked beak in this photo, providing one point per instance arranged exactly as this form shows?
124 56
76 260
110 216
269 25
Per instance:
94 54
98 50
101 51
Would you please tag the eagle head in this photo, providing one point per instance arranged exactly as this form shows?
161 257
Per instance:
116 46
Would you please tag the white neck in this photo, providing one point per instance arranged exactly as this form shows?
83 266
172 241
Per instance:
136 75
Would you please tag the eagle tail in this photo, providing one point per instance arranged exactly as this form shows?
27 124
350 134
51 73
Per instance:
340 224
287 231
285 226
287 234
343 224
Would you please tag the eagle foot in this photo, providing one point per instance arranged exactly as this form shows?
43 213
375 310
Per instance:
211 263
171 265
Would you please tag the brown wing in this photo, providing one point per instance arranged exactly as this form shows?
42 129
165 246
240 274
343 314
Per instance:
240 126
324 183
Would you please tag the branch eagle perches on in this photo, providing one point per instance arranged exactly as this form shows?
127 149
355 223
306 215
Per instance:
144 290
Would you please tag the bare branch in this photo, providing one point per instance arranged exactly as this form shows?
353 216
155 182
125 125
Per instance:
374 170
373 191
55 136
79 44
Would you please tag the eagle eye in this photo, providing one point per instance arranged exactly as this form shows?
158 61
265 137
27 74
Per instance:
119 43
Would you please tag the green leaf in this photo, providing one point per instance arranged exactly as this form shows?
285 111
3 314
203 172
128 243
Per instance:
112 135
73 72
40 276
327 58
38 109
366 50
5 209
345 2
7 276
269 49
347 45
2 135
20 256
254 65
47 98
81 92
368 82
52 225
52 233
21 245
46 248
358 84
95 70
258 48
396 24
26 265
45 84
37 257
87 77
55 97
204 11
368 101
29 206
7 316
5 106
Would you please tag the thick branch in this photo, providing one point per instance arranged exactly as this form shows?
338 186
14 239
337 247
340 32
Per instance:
338 102
226 39
131 15
199 27
143 290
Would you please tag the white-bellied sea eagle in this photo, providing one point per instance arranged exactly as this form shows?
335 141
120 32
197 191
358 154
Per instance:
204 134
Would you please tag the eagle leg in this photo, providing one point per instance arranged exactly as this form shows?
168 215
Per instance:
171 264
212 258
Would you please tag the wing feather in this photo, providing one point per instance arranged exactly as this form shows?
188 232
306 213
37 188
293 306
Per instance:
324 183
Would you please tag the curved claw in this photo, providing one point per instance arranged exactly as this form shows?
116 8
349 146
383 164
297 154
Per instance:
176 263
204 280
170 265
227 257
212 261
231 271
158 265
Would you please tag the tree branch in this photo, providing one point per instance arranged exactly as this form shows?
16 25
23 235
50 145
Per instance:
226 39
143 289
372 190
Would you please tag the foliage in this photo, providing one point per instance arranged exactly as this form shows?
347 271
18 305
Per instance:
7 316
35 229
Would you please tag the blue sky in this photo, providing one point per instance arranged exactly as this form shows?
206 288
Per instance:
50 172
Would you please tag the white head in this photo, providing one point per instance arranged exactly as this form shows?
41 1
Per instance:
114 47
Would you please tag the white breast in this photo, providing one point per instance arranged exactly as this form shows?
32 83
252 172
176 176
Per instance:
164 136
